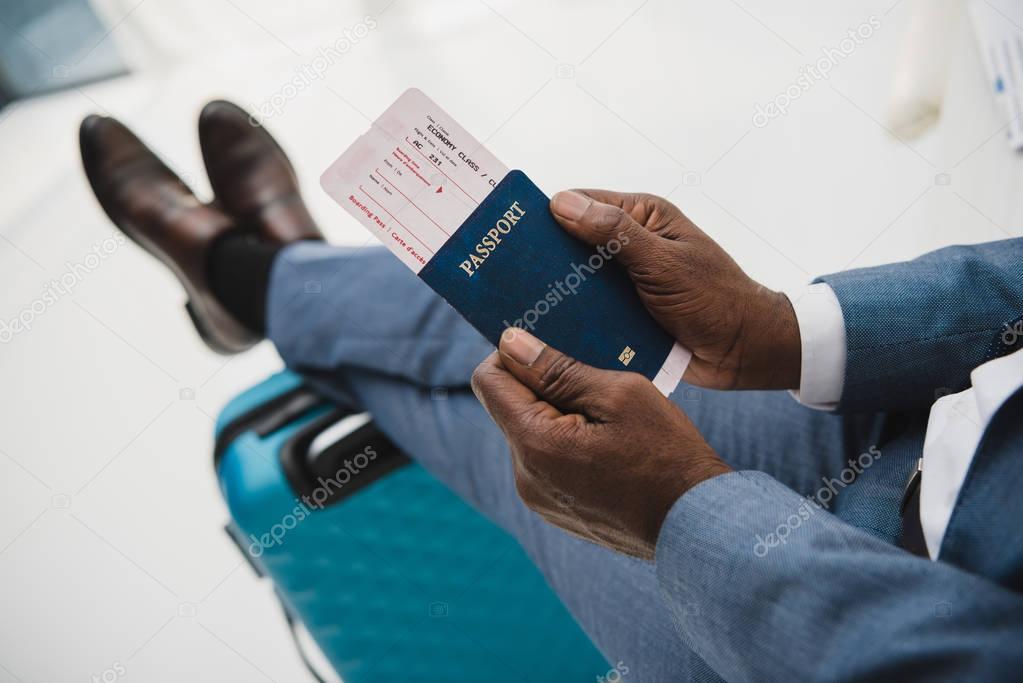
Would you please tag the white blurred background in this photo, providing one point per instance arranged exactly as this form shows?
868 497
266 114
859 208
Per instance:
112 552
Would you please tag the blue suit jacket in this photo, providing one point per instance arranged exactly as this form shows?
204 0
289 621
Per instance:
840 603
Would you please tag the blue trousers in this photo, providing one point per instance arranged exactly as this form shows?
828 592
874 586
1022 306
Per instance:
367 331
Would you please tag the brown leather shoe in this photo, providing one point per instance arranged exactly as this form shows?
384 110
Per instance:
251 175
153 207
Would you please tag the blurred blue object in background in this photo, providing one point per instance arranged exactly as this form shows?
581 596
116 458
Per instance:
48 45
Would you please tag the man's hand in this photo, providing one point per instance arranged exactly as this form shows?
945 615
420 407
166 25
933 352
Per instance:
742 335
601 454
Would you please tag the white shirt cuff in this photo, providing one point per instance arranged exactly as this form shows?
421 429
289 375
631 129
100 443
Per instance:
822 339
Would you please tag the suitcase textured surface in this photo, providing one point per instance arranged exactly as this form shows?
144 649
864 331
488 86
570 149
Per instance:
400 580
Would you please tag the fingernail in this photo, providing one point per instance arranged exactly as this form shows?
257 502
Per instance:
570 205
521 346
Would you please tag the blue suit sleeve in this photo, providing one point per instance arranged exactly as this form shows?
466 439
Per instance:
764 586
915 330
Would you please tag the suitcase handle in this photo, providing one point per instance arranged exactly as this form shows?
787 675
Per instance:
266 418
328 477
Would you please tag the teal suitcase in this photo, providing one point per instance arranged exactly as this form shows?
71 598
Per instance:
392 576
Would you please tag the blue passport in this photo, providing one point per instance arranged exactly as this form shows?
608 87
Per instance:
537 277
484 238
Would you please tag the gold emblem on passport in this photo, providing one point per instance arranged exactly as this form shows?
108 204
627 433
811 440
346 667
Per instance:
626 355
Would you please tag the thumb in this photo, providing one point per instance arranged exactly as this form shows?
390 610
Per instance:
554 377
512 406
604 225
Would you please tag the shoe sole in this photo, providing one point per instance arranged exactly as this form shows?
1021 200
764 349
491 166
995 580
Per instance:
207 329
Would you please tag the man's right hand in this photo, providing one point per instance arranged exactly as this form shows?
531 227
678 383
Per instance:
742 335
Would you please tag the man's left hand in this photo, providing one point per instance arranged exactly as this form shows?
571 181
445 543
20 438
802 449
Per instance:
601 454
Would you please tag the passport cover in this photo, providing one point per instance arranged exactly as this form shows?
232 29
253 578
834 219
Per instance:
511 264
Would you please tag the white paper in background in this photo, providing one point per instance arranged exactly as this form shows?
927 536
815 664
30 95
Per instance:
920 73
1001 47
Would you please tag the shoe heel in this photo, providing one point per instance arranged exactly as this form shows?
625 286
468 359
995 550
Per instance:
203 329
210 336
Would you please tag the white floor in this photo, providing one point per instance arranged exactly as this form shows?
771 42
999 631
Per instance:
113 562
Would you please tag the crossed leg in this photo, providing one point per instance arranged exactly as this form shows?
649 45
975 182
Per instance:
362 327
